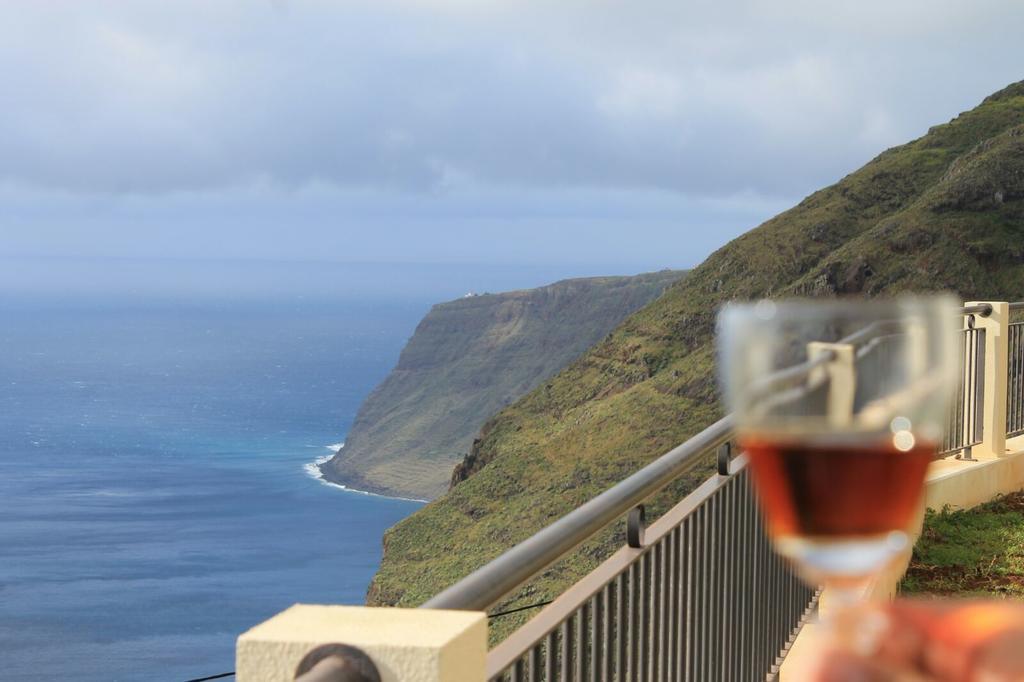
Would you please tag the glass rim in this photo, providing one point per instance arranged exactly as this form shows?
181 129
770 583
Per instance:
802 307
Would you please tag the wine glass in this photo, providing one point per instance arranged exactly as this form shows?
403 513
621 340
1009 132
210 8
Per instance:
840 406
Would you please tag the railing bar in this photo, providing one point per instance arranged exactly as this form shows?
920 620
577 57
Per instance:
965 396
606 642
728 580
667 606
979 395
650 641
535 662
662 609
566 637
962 409
674 584
743 532
1018 385
654 615
1015 377
749 649
763 586
697 593
596 634
632 638
973 397
1010 388
732 563
550 656
646 615
715 559
777 614
970 394
767 656
617 653
679 605
705 605
722 591
976 382
774 613
776 586
1013 380
689 605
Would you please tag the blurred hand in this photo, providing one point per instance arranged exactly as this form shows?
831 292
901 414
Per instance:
933 641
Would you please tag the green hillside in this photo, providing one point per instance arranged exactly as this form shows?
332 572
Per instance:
468 359
945 211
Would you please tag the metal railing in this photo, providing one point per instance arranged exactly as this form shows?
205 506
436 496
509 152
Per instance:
686 598
685 603
964 424
1015 380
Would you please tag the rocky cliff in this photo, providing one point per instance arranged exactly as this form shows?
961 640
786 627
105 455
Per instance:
467 359
945 211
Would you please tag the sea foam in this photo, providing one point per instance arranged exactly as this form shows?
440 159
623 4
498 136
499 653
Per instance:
312 469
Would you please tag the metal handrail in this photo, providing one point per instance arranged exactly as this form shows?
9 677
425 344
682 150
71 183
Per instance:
1017 305
983 309
487 585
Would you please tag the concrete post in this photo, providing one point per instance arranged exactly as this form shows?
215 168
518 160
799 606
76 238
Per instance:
993 425
842 377
406 645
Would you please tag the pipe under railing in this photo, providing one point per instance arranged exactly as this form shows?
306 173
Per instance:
983 309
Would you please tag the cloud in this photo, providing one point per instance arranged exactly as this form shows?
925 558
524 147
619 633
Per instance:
622 135
698 98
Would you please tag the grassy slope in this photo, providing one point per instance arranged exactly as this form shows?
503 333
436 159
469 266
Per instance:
468 359
976 552
920 216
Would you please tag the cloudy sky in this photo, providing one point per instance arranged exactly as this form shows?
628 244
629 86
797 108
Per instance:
578 133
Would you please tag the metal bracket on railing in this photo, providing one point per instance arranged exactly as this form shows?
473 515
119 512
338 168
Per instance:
724 458
970 322
636 523
336 663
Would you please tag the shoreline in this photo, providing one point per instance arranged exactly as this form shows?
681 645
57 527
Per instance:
315 471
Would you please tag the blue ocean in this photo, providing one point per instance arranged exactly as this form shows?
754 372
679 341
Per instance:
155 493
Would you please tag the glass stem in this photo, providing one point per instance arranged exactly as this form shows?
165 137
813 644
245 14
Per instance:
847 619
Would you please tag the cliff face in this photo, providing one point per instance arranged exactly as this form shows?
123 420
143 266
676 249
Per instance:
467 359
945 211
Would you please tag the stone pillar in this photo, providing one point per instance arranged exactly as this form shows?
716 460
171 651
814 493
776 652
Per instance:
993 424
406 645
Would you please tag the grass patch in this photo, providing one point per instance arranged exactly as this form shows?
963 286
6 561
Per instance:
977 552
